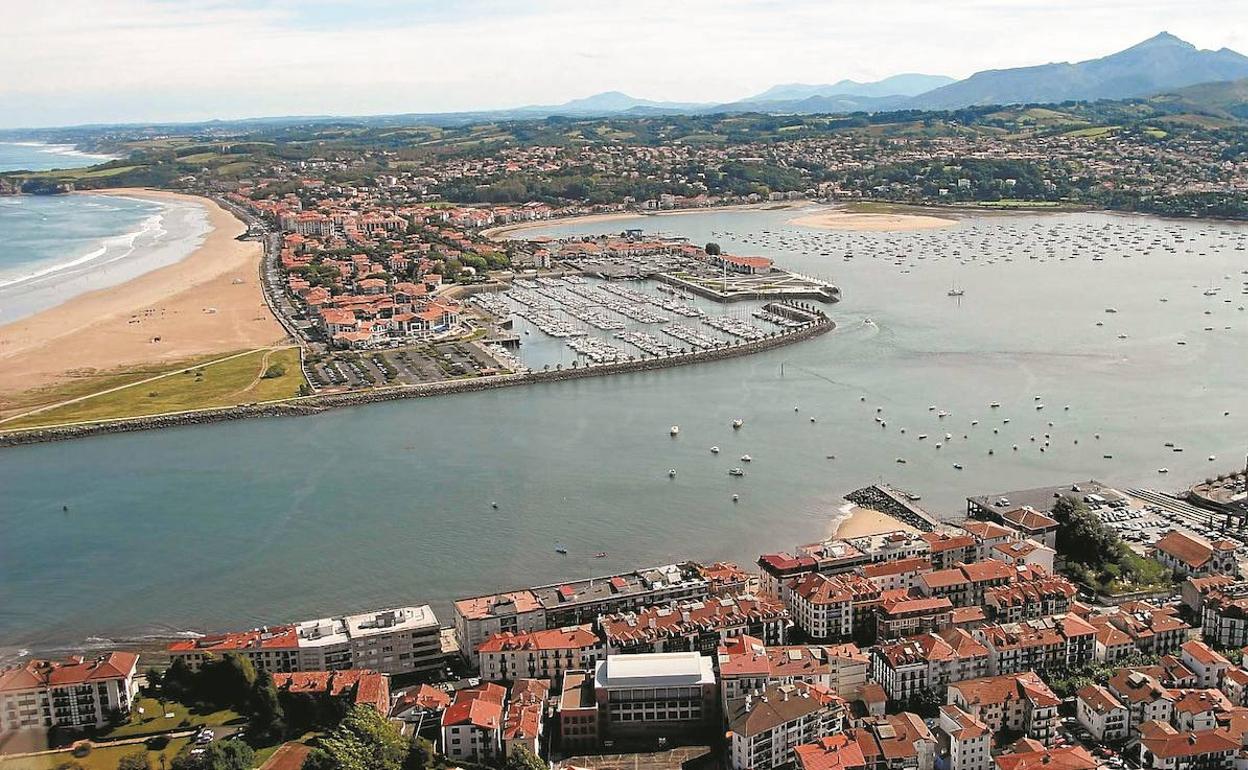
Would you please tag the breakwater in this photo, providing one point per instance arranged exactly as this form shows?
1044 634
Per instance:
887 500
315 404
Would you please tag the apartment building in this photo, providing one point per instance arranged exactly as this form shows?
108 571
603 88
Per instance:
746 664
927 662
472 726
697 626
1164 748
1019 702
1100 713
545 654
76 693
1047 644
402 640
966 741
1144 697
765 731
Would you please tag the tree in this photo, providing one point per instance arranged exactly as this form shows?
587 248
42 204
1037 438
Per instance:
268 720
523 759
712 249
364 740
135 760
220 755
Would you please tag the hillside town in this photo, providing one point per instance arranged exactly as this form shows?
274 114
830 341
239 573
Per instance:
932 646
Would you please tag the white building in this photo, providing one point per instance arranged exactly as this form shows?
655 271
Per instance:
393 641
538 654
966 740
765 730
655 694
1101 713
76 694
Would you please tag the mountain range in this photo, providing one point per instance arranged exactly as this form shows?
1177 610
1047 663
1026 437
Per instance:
1160 64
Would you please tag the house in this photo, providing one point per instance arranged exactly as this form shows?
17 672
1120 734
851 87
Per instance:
834 752
1164 748
355 686
966 741
1100 713
987 536
1024 553
895 742
1025 757
526 712
1192 555
421 705
1223 609
1198 709
76 693
1208 665
765 731
472 726
544 654
1019 702
900 615
1144 697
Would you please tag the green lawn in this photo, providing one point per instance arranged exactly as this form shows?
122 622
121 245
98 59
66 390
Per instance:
153 720
228 383
97 759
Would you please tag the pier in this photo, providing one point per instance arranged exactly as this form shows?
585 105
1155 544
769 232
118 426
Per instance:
899 505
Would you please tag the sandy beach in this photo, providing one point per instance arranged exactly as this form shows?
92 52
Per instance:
867 521
838 219
505 231
209 302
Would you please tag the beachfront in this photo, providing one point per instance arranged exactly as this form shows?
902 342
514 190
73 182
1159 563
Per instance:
209 302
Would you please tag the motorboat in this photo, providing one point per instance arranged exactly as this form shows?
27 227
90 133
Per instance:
675 430
736 424
746 458
736 472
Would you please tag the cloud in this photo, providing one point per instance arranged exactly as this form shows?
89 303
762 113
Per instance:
77 61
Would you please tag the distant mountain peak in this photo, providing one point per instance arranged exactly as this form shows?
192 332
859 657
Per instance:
1162 39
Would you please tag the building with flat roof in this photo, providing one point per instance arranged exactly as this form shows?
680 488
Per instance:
578 713
656 694
403 640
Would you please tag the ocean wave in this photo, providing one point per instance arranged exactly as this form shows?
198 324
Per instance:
63 149
123 246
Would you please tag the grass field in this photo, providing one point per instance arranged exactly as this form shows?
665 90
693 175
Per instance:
97 759
230 382
153 719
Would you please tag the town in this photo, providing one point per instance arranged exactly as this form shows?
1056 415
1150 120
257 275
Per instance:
1076 626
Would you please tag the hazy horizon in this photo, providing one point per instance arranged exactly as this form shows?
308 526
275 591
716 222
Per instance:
149 61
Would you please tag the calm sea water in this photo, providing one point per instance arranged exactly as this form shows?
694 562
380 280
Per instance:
243 523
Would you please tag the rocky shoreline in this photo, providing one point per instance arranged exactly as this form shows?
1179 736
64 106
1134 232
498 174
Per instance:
319 403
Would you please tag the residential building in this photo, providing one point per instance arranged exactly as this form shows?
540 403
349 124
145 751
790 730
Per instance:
656 694
1164 748
357 687
697 626
273 648
746 664
900 615
544 654
403 640
964 584
582 601
833 752
823 605
988 535
1208 664
578 713
927 662
1020 702
899 574
1046 644
1038 595
1224 613
472 726
525 717
895 742
1023 756
966 741
76 694
1192 555
765 731
948 550
1100 713
1145 698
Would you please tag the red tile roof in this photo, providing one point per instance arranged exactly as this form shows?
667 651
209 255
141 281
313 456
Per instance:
36 674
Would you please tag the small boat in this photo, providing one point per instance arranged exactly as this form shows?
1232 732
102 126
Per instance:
714 450
746 458
901 460
671 472
736 424
493 505
675 430
736 472
956 292
1163 470
600 555
957 466
561 550
735 498
995 405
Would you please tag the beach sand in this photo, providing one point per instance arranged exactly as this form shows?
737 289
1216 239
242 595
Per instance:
869 222
115 327
867 521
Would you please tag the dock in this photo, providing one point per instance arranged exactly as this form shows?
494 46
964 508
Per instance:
899 505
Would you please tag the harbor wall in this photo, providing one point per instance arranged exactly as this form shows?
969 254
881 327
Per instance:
315 404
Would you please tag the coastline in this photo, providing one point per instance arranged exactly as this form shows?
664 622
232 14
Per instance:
860 522
504 232
193 307
857 221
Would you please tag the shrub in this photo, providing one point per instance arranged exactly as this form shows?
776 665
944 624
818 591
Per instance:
274 371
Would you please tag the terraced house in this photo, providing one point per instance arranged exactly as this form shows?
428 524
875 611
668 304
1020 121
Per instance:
696 626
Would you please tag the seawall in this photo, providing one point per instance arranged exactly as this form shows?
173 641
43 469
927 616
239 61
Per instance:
318 403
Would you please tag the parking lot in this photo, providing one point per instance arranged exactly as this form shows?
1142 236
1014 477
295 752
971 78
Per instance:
409 365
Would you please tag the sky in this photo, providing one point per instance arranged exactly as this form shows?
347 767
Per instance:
67 62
